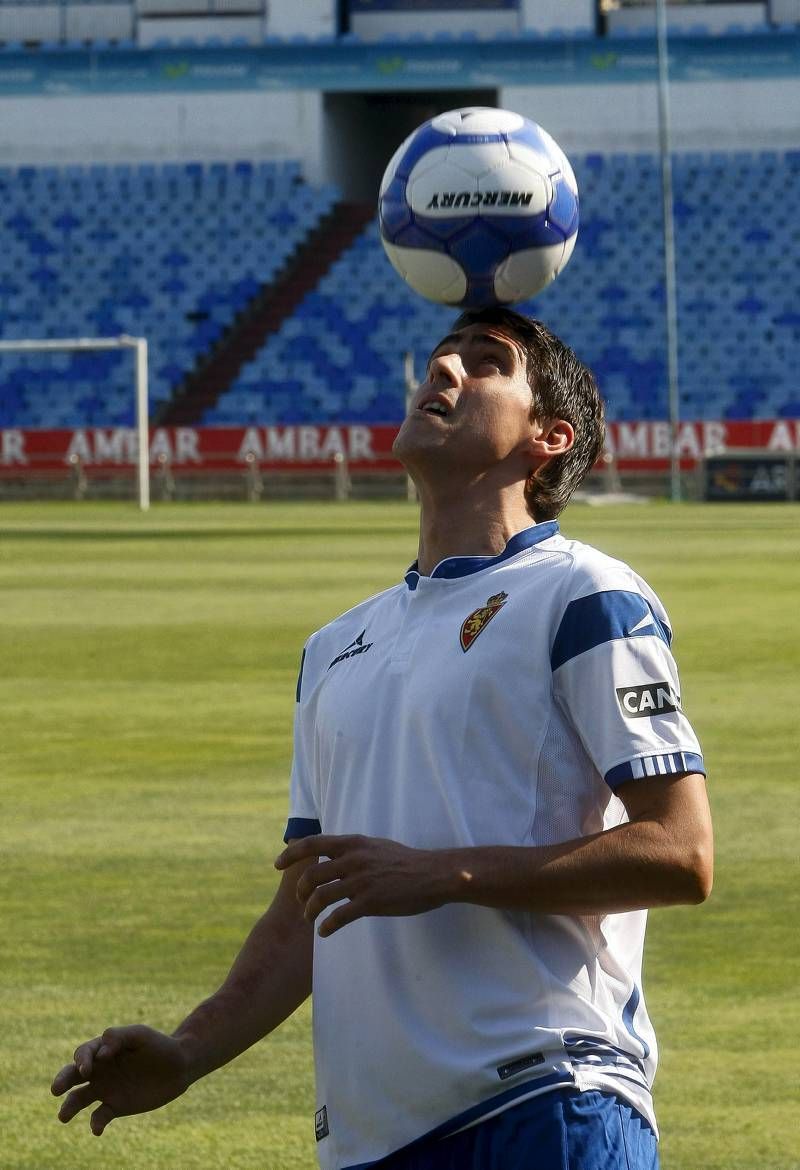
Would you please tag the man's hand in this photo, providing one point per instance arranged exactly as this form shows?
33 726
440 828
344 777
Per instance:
368 875
129 1070
662 856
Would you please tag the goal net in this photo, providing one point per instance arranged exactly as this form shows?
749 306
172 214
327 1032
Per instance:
139 347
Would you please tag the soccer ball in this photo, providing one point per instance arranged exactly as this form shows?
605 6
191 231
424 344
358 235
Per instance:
478 207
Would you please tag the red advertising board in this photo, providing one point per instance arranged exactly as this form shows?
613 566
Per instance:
636 446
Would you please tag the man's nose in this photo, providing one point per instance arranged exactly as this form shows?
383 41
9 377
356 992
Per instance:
447 368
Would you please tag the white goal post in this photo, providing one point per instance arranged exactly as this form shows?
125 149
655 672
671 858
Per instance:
139 347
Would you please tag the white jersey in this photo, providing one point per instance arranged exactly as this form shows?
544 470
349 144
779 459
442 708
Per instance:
500 700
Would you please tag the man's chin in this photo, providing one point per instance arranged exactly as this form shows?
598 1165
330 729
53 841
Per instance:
404 445
411 453
414 440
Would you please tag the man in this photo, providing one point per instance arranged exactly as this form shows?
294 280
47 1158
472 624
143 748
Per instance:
492 780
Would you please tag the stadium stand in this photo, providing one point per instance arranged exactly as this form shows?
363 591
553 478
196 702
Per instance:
173 253
182 253
737 307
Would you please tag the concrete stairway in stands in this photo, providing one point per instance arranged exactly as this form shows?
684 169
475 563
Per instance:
217 370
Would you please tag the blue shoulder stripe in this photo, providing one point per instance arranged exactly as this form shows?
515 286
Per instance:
301 827
603 617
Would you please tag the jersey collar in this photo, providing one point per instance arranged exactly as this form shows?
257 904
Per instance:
453 567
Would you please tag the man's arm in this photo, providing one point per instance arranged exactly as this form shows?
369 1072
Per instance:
135 1069
662 856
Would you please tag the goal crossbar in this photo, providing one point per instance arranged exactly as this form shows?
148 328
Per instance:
139 347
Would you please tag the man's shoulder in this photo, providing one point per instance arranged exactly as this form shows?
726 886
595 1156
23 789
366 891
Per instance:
590 570
603 594
361 613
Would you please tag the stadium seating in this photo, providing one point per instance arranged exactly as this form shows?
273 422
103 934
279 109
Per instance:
738 292
172 253
175 252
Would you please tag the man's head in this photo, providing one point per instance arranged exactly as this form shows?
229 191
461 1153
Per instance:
514 395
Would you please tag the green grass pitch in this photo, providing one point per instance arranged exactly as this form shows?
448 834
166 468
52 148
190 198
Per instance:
147 690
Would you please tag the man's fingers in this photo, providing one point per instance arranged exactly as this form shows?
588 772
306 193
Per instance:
319 845
113 1041
78 1099
101 1048
340 917
66 1078
325 896
315 876
299 850
85 1055
81 1068
100 1118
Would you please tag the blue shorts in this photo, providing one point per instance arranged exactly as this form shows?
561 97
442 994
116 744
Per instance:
561 1130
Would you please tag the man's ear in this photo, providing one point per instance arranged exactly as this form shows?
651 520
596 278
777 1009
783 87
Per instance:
552 436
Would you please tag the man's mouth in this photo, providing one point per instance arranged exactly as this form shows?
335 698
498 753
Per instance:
436 406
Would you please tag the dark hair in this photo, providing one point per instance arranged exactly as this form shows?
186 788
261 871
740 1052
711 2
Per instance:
562 387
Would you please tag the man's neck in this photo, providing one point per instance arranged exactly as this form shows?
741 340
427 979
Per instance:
468 527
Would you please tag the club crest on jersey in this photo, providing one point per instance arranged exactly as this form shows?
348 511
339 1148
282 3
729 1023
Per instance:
479 619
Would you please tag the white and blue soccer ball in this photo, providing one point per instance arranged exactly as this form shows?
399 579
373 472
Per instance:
478 207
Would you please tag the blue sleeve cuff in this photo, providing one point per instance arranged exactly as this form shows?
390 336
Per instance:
668 764
301 827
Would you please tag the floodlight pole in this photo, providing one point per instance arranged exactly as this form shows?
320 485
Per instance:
139 346
670 279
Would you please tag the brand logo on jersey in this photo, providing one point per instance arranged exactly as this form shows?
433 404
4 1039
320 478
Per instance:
321 1123
524 1064
650 699
357 646
479 619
